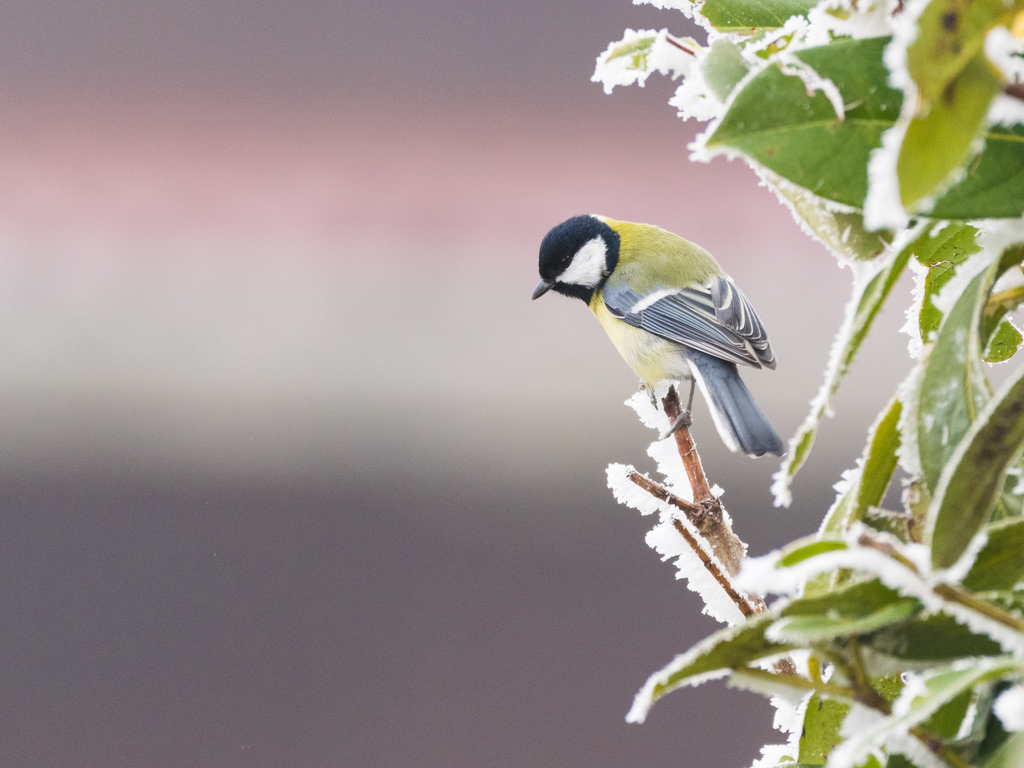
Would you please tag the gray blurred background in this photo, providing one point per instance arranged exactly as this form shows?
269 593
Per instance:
293 472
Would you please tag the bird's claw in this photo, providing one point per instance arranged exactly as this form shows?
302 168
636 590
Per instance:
682 420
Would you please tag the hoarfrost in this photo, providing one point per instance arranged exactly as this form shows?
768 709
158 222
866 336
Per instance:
917 580
691 9
1009 708
688 7
628 493
912 326
667 542
908 453
860 720
694 99
773 755
998 235
1004 50
883 206
815 82
645 696
965 272
662 678
670 544
662 56
859 20
648 413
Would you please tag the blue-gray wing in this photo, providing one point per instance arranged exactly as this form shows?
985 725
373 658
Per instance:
716 319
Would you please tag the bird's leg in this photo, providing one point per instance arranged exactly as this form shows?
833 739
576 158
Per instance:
650 393
684 419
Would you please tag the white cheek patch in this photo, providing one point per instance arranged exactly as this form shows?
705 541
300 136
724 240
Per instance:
588 265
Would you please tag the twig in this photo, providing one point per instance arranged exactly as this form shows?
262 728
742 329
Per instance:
694 512
1014 90
680 46
748 606
714 525
687 451
949 592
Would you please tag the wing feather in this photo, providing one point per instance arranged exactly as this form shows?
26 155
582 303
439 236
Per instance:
716 319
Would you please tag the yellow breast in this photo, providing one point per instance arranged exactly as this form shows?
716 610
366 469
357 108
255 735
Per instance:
651 357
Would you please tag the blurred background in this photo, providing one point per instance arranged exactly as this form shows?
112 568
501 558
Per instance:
293 471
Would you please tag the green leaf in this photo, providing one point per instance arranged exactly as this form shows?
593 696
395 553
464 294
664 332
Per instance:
843 232
976 472
994 186
728 649
1004 343
939 138
938 688
943 685
1009 600
879 460
1000 563
950 35
932 637
637 49
724 67
1009 755
807 630
1011 502
805 549
1001 335
823 719
796 134
955 85
855 601
947 719
753 15
856 609
867 486
942 252
898 523
869 296
954 386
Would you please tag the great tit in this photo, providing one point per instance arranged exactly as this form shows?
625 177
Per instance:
672 313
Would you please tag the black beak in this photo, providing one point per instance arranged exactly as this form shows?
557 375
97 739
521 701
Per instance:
542 287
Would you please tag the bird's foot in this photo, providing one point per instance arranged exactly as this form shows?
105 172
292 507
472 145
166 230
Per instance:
684 419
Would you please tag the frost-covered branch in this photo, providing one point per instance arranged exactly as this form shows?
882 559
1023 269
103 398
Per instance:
715 552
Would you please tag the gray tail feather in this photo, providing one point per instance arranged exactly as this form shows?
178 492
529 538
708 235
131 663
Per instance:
734 407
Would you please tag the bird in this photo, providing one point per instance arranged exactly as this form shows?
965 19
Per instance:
671 312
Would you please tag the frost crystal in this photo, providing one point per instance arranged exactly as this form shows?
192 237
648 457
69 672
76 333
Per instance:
639 53
1009 708
667 542
691 9
1005 51
883 206
686 6
693 99
845 18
